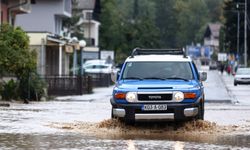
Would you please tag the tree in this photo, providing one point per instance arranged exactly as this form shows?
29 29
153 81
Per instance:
230 26
192 16
214 9
15 56
73 29
17 59
166 21
126 25
154 24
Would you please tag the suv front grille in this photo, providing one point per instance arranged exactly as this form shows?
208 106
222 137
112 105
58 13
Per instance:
155 97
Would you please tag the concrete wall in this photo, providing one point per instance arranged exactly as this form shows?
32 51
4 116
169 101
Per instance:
91 30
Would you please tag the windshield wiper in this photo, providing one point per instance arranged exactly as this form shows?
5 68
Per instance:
157 78
177 78
132 78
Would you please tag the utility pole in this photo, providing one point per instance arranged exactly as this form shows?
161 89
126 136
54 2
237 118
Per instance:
245 35
238 30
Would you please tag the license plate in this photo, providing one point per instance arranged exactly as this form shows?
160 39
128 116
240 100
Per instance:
154 107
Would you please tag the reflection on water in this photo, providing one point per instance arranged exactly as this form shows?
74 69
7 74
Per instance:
179 145
131 145
80 141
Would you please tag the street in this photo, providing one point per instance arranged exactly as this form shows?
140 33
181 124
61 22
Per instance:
83 122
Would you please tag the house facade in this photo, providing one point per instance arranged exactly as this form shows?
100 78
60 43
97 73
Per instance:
211 36
89 11
10 8
44 27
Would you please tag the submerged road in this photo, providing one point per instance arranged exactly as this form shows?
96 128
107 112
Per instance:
76 122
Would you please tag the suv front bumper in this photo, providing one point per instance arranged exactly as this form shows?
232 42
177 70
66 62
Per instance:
175 111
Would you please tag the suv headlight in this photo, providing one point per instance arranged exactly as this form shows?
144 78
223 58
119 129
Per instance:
131 96
178 96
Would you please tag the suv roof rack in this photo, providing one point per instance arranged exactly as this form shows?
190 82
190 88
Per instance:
139 51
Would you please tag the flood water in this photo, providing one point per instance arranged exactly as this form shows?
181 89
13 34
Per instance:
85 124
81 141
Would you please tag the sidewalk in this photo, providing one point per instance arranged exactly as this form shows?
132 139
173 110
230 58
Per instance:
98 93
216 90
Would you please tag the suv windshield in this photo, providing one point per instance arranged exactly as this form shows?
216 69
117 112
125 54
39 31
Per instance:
158 70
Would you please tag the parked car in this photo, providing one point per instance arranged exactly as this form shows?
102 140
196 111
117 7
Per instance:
242 76
158 85
213 65
94 61
98 68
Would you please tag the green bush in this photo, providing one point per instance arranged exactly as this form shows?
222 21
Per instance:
9 90
32 86
17 59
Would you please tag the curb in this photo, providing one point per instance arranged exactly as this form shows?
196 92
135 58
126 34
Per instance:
227 101
232 97
4 105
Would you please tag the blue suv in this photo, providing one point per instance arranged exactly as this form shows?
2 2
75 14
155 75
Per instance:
158 84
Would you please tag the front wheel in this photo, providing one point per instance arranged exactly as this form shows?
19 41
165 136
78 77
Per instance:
112 115
235 84
129 122
200 115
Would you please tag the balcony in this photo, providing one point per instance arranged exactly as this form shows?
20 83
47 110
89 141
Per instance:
90 42
65 8
20 6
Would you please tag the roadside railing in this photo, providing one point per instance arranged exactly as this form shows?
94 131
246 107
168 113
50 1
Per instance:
100 79
68 85
75 85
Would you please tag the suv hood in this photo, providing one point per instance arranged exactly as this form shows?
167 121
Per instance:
156 84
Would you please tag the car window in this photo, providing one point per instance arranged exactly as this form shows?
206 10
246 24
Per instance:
196 70
243 71
90 67
101 66
161 70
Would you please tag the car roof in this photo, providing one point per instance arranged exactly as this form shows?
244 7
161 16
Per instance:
98 64
158 58
244 68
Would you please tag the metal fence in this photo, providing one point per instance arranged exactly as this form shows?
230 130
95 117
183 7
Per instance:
68 85
100 79
75 85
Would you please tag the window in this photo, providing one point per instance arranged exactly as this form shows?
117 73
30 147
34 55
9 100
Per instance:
161 70
88 15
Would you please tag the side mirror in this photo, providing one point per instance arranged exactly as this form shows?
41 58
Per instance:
203 75
115 76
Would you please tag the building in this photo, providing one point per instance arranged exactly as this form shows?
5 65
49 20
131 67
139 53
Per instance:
44 27
89 10
10 8
211 36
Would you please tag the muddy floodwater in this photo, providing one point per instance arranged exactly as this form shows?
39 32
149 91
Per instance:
80 141
113 134
188 132
84 123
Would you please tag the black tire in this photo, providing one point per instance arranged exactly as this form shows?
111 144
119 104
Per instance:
200 115
129 122
112 115
235 84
